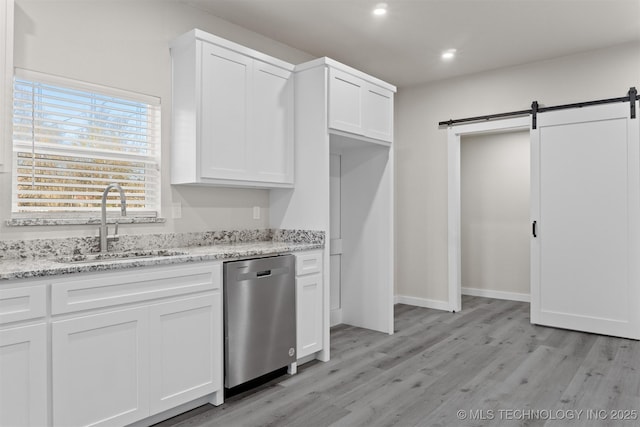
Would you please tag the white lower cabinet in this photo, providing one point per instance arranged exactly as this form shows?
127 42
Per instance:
100 368
185 361
122 365
309 303
23 355
309 310
23 372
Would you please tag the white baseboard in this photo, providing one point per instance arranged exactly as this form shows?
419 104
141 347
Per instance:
422 302
444 305
512 296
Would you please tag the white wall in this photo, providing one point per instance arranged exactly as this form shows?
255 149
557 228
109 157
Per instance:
125 44
494 222
421 146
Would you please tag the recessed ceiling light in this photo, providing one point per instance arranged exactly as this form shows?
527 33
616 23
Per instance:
448 54
380 9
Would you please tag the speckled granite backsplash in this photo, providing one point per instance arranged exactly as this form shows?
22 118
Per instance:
53 248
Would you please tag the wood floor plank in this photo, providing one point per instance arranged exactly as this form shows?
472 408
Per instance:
373 406
539 382
627 360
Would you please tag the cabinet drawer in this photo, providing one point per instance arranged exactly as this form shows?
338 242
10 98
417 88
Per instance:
308 263
24 303
108 289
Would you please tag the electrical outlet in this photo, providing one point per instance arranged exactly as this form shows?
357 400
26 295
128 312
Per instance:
256 212
176 210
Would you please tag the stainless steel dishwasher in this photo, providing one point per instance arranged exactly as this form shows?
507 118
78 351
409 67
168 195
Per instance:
260 317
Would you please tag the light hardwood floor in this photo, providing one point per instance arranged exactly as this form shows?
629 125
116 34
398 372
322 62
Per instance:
487 361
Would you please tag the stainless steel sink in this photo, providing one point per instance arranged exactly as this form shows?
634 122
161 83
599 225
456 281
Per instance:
114 256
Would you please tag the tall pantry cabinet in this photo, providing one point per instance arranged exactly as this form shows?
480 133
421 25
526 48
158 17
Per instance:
343 112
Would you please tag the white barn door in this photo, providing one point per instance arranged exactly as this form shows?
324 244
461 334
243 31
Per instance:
585 208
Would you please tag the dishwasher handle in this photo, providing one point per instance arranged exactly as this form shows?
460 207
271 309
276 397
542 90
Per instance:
263 273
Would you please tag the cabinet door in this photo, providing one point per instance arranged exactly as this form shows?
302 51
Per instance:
225 110
186 350
377 115
309 314
345 102
23 367
100 369
272 124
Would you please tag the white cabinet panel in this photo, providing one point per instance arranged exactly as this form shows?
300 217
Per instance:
345 102
185 350
378 113
309 314
23 368
272 124
100 368
225 110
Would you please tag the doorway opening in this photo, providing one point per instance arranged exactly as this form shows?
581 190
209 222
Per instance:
495 213
455 134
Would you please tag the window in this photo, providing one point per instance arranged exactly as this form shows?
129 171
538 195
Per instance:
72 139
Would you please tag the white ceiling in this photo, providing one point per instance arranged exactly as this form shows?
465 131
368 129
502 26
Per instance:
404 46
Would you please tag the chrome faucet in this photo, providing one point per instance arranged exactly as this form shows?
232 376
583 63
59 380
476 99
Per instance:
104 230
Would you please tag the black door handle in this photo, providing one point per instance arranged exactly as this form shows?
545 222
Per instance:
533 228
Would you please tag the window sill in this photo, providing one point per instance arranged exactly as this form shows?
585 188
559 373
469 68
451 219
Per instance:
24 222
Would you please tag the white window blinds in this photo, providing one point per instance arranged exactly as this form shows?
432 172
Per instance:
72 139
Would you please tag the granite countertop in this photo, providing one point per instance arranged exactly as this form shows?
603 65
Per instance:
63 263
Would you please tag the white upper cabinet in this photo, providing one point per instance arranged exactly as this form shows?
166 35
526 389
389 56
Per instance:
224 116
360 104
272 128
232 115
